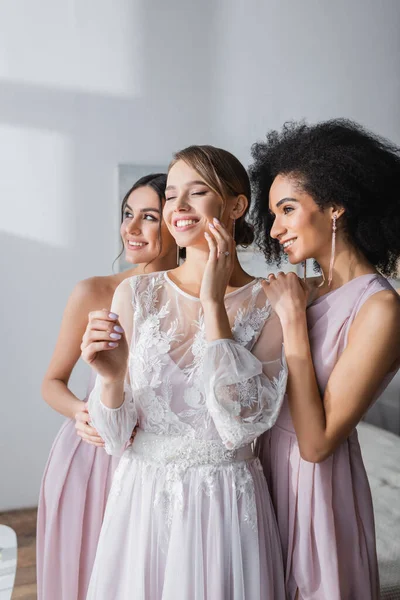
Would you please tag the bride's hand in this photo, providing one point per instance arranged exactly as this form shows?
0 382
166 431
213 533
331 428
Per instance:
104 346
219 266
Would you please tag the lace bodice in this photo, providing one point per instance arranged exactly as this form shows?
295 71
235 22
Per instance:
181 385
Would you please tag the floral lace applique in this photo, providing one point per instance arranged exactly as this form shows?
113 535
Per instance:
198 349
119 475
149 359
249 321
241 413
239 396
170 466
247 326
148 298
171 497
157 414
193 395
151 390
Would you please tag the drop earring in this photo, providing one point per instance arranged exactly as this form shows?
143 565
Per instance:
234 229
333 250
305 271
177 255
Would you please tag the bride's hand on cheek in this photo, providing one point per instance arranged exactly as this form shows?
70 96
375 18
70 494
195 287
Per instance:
219 266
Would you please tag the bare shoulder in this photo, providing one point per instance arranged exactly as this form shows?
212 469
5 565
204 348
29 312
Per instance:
95 292
387 301
382 310
378 321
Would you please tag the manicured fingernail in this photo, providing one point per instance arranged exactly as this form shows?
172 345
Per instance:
115 336
206 235
113 316
211 225
118 328
112 344
216 221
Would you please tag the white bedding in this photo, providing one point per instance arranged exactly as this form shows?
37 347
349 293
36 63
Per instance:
381 452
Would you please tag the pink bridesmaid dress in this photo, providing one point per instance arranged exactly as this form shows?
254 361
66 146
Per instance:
324 511
73 496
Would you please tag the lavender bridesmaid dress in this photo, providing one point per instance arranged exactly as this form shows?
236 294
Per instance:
72 501
324 511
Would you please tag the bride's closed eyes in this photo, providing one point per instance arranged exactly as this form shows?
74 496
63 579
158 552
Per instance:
199 193
172 195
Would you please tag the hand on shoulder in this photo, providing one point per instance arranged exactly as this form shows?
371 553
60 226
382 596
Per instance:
287 294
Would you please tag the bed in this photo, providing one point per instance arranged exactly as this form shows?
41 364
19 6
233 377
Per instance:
381 452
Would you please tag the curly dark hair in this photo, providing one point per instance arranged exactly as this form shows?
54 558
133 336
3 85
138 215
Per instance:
340 164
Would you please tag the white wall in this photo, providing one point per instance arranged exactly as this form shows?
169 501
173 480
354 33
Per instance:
88 85
282 59
79 93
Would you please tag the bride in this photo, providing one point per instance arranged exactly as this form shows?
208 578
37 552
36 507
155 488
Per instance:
199 367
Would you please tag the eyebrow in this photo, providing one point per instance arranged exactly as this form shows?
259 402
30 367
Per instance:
195 182
278 204
142 210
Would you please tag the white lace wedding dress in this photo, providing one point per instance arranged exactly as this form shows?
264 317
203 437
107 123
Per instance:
189 515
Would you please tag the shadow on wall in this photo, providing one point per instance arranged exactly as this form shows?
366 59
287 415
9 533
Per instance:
99 130
30 307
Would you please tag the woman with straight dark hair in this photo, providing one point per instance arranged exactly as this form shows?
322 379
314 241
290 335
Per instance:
329 192
78 473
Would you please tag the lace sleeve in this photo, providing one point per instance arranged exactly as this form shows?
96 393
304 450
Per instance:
115 425
245 389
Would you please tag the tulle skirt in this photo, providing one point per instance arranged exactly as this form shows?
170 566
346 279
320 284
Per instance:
72 502
176 529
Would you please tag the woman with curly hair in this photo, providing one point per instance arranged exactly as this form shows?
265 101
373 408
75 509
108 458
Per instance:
329 192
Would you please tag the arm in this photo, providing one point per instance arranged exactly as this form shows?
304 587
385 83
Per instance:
245 390
219 268
111 405
373 350
67 351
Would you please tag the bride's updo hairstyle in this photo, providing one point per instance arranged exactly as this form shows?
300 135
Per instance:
226 176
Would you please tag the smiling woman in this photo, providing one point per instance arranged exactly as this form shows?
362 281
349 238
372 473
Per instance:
329 192
143 232
79 472
189 370
222 181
